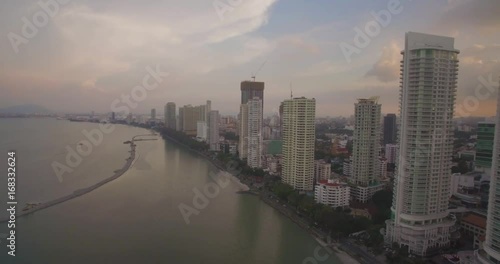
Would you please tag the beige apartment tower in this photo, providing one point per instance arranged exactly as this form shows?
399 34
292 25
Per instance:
365 150
298 143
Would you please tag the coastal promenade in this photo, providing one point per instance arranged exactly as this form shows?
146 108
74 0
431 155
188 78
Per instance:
130 160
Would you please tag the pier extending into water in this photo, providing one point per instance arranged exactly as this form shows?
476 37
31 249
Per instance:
80 192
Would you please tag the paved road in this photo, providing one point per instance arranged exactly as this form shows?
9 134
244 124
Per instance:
362 255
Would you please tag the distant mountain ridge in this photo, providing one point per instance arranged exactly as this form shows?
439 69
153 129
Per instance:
25 109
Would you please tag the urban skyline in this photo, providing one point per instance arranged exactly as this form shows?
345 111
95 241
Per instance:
369 131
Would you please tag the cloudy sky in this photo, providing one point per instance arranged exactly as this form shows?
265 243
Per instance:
92 51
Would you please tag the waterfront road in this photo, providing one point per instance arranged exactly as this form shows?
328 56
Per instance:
360 254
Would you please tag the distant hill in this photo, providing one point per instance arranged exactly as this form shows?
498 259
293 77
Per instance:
25 109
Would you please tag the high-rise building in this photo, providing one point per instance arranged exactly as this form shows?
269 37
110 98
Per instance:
208 108
347 167
213 130
391 151
281 120
390 129
243 132
420 218
365 150
202 130
170 115
180 120
322 170
254 133
484 146
491 245
250 90
202 112
191 116
298 143
153 114
383 168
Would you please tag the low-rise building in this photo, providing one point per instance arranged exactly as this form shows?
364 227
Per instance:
332 193
364 193
475 226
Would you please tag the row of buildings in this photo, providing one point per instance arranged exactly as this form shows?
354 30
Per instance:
422 150
197 121
421 218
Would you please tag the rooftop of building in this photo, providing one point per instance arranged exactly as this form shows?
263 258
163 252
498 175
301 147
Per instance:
476 220
331 183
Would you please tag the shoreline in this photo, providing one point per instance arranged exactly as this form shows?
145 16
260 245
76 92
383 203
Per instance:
117 174
342 256
234 178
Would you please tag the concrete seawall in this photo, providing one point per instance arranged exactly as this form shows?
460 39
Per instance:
80 192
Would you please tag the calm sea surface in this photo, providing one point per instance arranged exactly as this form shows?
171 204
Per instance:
136 218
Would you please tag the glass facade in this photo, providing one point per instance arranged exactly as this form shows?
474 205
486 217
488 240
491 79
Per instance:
484 144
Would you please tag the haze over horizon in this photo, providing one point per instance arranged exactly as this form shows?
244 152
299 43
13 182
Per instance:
90 53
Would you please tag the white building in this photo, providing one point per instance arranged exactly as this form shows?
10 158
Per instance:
460 182
391 152
365 150
420 217
322 170
383 168
347 168
298 143
201 130
254 133
213 130
332 193
491 245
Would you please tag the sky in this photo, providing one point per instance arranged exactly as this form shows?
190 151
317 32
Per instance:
83 55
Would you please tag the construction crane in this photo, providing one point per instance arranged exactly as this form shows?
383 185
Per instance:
254 75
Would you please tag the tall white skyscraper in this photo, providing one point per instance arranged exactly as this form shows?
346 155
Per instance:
202 130
254 133
365 150
213 130
491 245
420 217
298 143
